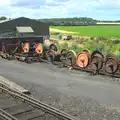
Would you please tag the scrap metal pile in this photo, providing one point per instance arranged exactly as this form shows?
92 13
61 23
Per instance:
31 48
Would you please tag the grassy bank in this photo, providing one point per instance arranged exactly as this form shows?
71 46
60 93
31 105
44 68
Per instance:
107 31
108 43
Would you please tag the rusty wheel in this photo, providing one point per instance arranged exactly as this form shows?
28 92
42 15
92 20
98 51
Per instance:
39 48
97 59
71 58
83 59
63 54
53 47
26 47
51 55
111 64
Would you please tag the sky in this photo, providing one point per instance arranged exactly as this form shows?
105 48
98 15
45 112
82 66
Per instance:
39 9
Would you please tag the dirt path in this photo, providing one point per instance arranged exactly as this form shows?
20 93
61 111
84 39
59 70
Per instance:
61 31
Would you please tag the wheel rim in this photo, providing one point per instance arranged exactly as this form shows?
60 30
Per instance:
63 54
39 48
97 53
53 47
83 59
26 47
111 65
51 55
97 60
71 58
51 58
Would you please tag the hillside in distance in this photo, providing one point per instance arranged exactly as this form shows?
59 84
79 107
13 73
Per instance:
69 21
74 21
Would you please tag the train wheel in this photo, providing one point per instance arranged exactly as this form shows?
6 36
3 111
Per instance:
63 54
51 55
83 59
97 59
70 58
51 58
111 64
53 47
39 48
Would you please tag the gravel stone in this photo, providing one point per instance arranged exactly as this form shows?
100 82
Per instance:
84 108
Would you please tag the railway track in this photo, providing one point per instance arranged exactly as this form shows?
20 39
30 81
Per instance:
101 72
15 105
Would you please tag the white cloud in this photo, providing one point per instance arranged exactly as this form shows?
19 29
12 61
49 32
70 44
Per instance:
5 2
50 1
99 9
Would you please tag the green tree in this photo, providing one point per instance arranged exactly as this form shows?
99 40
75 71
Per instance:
3 18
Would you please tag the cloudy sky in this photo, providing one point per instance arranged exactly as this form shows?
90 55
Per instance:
97 9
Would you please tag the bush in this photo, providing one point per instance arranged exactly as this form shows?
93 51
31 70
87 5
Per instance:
116 41
63 46
92 38
45 46
107 49
91 46
101 47
75 47
117 53
101 38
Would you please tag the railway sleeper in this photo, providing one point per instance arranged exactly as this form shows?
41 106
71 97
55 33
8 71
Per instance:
19 109
39 109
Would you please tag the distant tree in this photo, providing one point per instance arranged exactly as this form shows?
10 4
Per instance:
76 21
70 21
3 18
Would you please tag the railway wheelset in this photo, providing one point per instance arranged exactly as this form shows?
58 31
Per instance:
21 48
94 62
30 49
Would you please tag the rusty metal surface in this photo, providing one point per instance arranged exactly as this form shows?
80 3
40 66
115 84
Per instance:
95 63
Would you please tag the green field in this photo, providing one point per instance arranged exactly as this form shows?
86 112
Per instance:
107 31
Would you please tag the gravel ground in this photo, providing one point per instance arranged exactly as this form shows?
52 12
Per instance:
84 108
53 90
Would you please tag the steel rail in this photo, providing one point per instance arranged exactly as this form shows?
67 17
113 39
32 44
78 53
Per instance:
38 104
6 116
101 72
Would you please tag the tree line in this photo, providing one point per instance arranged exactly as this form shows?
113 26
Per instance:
69 21
72 21
4 18
76 21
